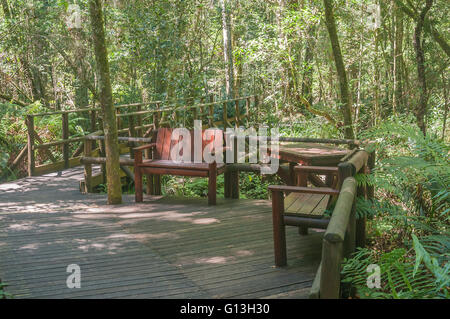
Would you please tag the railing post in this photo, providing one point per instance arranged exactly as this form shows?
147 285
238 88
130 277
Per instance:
65 136
30 144
330 277
87 167
350 235
131 133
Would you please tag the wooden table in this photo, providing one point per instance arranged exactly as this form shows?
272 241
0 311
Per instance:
309 154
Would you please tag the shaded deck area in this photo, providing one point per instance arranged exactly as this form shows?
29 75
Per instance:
163 248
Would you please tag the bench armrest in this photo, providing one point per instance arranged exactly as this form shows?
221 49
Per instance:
143 147
308 190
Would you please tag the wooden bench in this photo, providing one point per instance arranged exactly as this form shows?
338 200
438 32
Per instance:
303 206
159 162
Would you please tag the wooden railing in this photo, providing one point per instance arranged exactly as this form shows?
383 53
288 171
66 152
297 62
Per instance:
345 232
134 120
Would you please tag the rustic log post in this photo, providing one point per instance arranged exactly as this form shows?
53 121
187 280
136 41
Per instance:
350 235
87 167
30 144
344 170
131 133
330 277
339 233
279 235
65 136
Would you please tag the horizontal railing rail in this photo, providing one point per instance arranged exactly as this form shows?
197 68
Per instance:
133 124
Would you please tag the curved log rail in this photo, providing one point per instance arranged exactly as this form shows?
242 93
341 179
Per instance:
138 122
345 232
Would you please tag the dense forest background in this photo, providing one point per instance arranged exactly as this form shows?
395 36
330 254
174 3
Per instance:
374 70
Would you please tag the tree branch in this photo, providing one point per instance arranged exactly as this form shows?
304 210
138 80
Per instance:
427 26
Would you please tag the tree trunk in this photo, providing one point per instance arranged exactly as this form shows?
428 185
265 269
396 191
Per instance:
346 108
81 90
398 103
106 102
421 108
440 40
227 49
308 65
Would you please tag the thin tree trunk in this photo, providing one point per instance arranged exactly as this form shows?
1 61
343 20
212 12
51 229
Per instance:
440 40
81 91
446 106
345 106
227 49
398 52
106 102
308 65
421 108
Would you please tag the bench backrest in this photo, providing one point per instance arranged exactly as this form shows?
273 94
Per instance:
165 143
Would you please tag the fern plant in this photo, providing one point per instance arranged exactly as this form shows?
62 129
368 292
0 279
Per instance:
412 179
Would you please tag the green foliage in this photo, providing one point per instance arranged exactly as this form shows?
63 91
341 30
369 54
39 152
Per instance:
401 277
411 178
3 293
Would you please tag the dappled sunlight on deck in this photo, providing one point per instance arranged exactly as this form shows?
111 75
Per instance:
167 247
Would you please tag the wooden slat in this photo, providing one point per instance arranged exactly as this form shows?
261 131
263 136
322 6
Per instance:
160 143
299 202
166 144
308 205
162 248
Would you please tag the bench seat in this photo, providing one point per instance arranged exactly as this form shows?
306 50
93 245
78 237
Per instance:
306 205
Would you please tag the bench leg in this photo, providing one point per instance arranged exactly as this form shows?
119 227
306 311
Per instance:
227 188
303 230
279 235
212 184
157 185
234 184
138 185
150 186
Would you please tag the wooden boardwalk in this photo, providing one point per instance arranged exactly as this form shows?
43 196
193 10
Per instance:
163 248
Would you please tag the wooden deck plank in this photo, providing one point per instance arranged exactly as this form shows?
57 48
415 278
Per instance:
163 248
